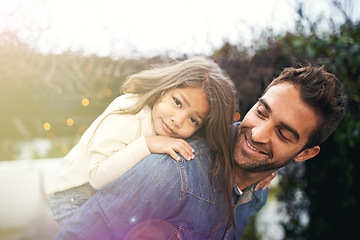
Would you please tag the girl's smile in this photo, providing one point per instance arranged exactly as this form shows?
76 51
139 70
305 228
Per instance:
180 112
167 128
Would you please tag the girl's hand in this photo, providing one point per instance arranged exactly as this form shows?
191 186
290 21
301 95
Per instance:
265 182
165 144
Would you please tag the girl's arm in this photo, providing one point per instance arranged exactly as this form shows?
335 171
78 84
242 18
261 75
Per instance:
116 148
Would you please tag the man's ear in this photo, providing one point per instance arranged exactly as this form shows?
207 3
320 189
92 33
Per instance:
307 154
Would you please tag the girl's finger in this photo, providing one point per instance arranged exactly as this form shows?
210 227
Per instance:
173 154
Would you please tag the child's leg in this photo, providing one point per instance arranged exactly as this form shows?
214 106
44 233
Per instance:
64 204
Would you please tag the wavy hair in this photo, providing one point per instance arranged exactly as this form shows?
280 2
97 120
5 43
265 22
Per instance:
218 129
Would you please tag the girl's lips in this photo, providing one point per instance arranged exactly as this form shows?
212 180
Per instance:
167 128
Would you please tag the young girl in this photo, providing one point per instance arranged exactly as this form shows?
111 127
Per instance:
159 109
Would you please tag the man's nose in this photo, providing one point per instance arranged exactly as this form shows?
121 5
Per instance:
262 132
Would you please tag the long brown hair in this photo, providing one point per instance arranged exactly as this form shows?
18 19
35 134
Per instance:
149 85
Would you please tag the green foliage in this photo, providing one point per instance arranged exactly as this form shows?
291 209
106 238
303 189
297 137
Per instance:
295 202
250 230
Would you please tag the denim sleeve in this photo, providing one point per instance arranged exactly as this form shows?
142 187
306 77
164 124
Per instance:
136 204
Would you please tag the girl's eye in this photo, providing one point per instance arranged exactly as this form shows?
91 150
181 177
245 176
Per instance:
177 102
194 120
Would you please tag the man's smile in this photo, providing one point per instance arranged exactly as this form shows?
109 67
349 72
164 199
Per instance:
250 147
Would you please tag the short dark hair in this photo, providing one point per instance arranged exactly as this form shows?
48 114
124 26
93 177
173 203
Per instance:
322 91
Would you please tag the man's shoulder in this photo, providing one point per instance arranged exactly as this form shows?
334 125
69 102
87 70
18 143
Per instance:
204 157
200 144
165 172
196 174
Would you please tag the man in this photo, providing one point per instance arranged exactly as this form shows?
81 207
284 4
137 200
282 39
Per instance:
165 199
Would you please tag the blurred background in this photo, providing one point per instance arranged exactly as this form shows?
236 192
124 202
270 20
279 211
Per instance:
63 62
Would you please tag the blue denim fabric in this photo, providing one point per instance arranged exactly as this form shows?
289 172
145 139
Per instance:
64 204
161 198
245 206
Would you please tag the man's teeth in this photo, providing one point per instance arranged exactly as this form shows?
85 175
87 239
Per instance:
251 147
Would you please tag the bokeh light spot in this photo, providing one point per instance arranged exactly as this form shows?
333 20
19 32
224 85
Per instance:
47 126
236 116
51 135
85 102
107 92
69 122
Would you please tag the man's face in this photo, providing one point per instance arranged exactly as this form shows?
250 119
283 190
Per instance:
275 130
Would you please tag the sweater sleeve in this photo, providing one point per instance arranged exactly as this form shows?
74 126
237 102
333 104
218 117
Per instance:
115 148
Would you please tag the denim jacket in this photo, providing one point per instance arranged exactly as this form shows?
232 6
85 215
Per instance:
161 198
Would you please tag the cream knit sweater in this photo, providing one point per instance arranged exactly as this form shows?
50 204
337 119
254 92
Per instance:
113 144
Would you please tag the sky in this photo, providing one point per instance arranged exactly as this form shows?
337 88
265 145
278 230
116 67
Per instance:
151 27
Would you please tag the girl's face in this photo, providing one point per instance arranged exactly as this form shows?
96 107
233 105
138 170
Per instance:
180 112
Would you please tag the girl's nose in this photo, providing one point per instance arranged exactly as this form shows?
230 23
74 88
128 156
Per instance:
175 121
178 119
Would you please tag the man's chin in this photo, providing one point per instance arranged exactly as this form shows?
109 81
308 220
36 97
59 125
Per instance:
256 169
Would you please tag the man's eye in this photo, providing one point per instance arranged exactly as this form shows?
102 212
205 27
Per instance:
260 113
194 120
177 102
282 137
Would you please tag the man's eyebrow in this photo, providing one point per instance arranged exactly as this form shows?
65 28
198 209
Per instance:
284 125
292 130
268 108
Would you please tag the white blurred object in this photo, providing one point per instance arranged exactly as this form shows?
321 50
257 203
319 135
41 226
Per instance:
24 207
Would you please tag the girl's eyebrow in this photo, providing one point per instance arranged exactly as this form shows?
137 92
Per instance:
189 105
185 100
282 124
